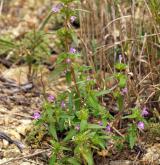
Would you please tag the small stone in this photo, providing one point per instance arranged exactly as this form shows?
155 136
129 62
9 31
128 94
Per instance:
5 143
15 134
157 138
22 129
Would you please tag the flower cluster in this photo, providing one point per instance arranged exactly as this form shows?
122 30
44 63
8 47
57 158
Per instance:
36 115
57 8
72 50
73 18
145 112
140 125
51 98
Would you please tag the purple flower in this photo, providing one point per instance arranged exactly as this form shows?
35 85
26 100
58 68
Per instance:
63 104
144 111
73 18
100 123
72 50
140 125
108 128
36 115
51 98
77 127
120 58
124 91
57 8
68 60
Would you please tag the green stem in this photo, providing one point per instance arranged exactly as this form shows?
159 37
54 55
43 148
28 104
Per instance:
45 21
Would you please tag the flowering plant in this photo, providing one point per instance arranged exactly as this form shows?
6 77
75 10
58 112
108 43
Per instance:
76 119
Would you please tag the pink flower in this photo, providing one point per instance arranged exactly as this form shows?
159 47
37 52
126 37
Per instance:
63 104
51 98
68 60
72 50
57 8
140 125
124 91
100 123
108 128
144 111
77 127
36 115
120 58
73 18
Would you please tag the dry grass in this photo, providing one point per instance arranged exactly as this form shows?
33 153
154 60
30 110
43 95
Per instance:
110 28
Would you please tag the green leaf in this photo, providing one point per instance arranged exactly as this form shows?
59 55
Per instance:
104 92
7 43
46 20
70 134
95 126
73 161
74 37
77 102
56 73
120 102
132 135
68 77
70 102
97 140
120 66
83 125
93 102
122 81
52 131
52 159
87 155
135 114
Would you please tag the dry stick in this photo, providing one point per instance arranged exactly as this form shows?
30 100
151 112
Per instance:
143 79
149 97
24 157
113 14
152 20
135 161
1 6
119 18
31 161
119 42
117 131
144 42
